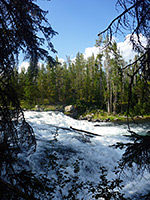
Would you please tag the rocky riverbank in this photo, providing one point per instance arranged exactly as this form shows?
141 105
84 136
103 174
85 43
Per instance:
93 115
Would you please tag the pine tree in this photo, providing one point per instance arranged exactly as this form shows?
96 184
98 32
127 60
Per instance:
79 73
108 78
20 21
101 82
116 76
137 152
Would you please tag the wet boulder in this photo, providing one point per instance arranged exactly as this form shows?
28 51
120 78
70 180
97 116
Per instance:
69 108
38 108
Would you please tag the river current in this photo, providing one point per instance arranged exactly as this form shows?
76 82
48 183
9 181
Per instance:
86 142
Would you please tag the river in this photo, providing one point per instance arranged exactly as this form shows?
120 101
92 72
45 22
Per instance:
88 151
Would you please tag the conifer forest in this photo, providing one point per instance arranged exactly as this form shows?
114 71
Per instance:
103 81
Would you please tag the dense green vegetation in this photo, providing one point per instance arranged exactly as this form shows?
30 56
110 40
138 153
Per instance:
102 82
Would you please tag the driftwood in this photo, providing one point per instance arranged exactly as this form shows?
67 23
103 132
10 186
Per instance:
87 132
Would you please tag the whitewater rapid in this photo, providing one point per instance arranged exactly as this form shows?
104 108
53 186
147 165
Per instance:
53 134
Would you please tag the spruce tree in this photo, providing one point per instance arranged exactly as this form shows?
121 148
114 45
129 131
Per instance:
138 150
20 23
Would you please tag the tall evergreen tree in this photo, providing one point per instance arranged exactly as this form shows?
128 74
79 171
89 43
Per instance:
72 75
90 79
42 85
101 81
116 76
108 78
137 11
79 72
20 21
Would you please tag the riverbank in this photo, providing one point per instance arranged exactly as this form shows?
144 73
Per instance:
92 115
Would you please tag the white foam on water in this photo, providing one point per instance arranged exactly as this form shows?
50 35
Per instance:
92 152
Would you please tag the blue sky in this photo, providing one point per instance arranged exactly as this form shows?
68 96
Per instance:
78 22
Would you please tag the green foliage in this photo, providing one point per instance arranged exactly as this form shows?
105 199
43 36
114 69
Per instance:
20 21
137 153
107 189
136 157
86 83
58 179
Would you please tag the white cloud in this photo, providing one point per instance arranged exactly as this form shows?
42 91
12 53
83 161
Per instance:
125 48
89 51
23 65
61 60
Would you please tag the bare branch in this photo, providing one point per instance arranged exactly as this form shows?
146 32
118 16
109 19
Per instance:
118 17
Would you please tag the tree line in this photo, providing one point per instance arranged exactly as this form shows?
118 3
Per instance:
103 81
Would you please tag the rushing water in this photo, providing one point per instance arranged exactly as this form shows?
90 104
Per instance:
53 133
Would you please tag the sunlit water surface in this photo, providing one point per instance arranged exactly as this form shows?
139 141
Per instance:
54 135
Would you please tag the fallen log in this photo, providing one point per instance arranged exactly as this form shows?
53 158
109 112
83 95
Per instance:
87 132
